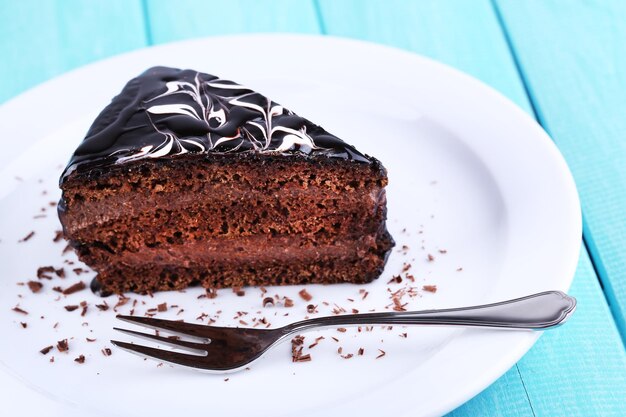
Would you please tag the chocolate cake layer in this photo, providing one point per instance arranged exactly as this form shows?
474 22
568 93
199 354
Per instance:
186 179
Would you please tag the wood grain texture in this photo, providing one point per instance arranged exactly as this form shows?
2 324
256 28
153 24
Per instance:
43 38
469 37
463 34
579 370
184 19
572 57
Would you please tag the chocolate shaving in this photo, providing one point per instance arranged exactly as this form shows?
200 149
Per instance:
34 286
79 286
71 307
17 309
42 272
430 258
305 295
347 356
58 235
66 249
239 291
311 309
396 279
288 302
268 301
84 305
296 350
341 329
360 351
63 346
79 271
57 289
47 349
430 288
382 353
211 293
443 251
90 340
60 272
106 352
80 359
162 307
121 300
24 325
102 307
27 237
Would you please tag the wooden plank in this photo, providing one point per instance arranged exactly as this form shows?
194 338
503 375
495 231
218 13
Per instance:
468 36
41 39
580 369
463 34
572 57
195 18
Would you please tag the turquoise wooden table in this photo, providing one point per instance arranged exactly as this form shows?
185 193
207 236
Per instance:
562 61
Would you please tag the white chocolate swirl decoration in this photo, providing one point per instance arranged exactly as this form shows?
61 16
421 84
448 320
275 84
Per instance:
167 112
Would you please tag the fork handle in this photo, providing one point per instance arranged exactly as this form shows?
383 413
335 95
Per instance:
539 311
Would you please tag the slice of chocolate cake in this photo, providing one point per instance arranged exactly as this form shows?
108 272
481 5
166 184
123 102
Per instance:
189 179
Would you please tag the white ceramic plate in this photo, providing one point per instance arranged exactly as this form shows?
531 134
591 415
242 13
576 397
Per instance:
470 174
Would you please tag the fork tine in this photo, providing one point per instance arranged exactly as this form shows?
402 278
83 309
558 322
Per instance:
198 347
177 327
163 355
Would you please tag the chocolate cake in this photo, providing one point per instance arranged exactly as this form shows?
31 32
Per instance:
187 179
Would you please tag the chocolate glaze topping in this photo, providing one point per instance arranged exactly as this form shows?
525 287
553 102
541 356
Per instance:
166 112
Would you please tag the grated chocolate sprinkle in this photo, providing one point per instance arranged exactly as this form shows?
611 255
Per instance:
304 294
34 286
17 309
63 345
430 288
80 359
47 349
27 237
79 286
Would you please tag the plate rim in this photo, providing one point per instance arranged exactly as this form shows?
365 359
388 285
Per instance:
17 102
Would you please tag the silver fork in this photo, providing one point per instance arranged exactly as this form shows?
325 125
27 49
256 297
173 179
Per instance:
228 349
